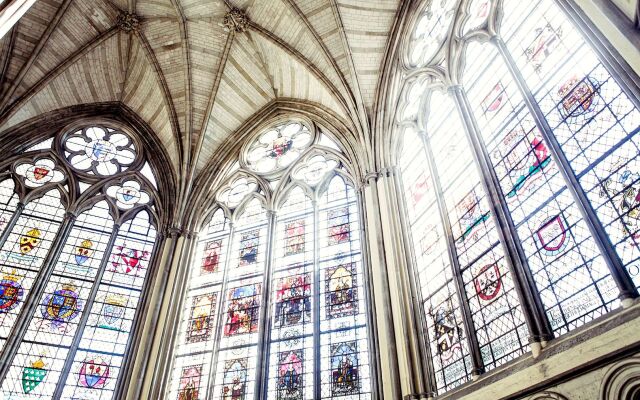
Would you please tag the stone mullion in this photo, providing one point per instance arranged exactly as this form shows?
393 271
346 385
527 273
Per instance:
220 306
133 343
317 365
524 283
618 271
85 315
11 224
33 299
265 320
463 299
383 350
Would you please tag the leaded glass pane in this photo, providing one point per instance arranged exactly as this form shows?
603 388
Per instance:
89 278
291 351
495 308
104 342
55 323
592 118
478 12
24 251
431 30
344 351
8 203
197 332
313 340
278 147
569 272
241 302
38 173
100 150
596 125
447 341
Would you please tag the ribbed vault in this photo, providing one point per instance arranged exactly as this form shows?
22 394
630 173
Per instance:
193 79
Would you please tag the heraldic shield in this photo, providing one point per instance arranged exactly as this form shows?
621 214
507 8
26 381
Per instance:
33 376
61 306
30 240
84 251
552 236
124 259
280 146
93 373
112 312
488 282
10 293
577 96
446 330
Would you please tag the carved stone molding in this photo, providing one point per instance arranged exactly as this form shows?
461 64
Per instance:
622 380
128 22
236 20
375 175
548 396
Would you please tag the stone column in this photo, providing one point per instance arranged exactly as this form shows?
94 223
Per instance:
154 351
395 325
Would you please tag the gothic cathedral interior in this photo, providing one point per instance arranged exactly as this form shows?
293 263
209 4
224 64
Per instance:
319 199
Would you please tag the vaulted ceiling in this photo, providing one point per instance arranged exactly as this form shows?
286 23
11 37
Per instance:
194 79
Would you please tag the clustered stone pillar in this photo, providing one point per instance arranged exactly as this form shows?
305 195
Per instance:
395 324
150 370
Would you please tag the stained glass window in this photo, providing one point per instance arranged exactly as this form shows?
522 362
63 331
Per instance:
520 182
72 278
276 300
475 252
430 31
569 272
278 147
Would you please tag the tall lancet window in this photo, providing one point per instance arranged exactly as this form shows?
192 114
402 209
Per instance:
276 304
78 229
519 162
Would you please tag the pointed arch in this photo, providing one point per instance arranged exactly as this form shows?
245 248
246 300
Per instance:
292 272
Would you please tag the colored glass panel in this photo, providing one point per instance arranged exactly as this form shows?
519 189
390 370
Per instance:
278 147
23 253
571 276
59 340
197 331
106 337
8 203
315 295
241 304
100 150
341 305
55 322
449 351
595 122
291 348
495 309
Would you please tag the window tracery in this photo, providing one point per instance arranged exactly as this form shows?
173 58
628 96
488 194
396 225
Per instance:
278 147
521 204
276 298
77 239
